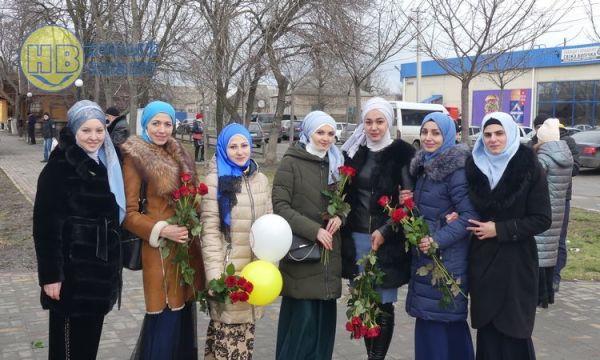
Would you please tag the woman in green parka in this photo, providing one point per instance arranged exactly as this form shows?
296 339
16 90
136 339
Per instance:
307 317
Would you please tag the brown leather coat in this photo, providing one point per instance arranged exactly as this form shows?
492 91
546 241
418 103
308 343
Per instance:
160 167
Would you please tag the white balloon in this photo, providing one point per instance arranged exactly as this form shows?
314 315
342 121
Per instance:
270 237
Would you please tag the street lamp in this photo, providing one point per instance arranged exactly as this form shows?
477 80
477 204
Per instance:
78 85
29 96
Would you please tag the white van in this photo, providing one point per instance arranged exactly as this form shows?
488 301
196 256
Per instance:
408 117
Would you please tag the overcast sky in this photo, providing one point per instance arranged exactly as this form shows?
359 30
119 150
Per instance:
574 29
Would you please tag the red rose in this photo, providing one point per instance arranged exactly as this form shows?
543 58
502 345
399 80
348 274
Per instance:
364 330
248 287
356 320
192 189
398 215
241 282
186 177
176 195
356 333
373 332
347 170
349 326
383 200
230 281
409 203
233 297
202 189
184 191
243 296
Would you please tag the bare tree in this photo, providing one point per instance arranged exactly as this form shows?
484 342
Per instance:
592 10
475 33
506 69
365 36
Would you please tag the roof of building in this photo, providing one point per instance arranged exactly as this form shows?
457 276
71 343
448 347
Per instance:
537 58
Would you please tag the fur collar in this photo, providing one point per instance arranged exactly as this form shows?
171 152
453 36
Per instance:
160 165
517 177
75 156
399 152
444 164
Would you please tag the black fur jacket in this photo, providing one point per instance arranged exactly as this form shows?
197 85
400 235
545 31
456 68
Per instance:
503 271
75 230
389 171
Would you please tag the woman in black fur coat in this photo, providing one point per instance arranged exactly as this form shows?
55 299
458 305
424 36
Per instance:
79 205
382 167
508 188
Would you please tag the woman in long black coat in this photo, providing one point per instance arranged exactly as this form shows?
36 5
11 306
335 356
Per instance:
508 188
79 205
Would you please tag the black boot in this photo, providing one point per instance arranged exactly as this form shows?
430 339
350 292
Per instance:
377 347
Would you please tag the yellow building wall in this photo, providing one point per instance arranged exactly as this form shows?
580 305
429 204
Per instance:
3 111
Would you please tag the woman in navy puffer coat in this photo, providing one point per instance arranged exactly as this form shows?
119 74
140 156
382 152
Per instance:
441 190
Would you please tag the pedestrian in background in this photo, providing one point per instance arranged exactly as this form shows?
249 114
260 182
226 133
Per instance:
118 128
556 160
156 158
508 188
238 194
79 205
48 133
198 137
382 166
31 120
441 191
307 317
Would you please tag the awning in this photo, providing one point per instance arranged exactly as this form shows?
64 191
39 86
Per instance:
433 99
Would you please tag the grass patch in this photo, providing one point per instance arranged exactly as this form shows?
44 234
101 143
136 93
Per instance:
583 246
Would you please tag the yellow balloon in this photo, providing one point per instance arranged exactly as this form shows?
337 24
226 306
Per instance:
266 279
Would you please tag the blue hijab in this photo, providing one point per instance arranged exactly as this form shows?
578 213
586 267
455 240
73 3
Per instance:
228 172
150 111
312 122
493 166
447 128
78 114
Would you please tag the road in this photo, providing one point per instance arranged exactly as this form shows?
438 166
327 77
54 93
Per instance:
586 190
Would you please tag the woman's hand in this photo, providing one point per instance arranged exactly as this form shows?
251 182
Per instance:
483 230
404 194
451 217
325 238
176 233
53 290
333 225
376 240
425 244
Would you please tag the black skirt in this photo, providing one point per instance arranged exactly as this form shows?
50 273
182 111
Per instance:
494 345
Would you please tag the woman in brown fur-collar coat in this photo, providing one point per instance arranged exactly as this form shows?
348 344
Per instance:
158 160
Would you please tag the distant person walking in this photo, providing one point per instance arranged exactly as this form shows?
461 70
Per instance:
118 128
48 133
31 120
198 137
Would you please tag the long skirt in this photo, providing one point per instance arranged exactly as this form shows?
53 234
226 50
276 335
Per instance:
74 337
229 341
546 287
437 340
362 244
306 329
170 335
494 345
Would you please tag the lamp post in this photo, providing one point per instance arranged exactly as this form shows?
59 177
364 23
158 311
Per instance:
78 85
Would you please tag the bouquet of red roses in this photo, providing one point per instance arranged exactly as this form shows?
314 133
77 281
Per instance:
337 205
187 200
415 229
363 299
227 289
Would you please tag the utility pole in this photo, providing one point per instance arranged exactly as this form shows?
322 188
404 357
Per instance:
418 82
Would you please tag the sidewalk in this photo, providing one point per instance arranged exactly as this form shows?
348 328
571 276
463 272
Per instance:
570 329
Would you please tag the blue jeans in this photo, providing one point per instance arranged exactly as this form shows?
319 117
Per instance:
47 148
561 259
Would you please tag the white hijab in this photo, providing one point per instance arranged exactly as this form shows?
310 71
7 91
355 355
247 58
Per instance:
359 137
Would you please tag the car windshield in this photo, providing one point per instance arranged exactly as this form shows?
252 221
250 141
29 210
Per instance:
350 127
253 127
587 137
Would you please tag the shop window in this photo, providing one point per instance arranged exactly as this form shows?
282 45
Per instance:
584 90
564 112
583 113
564 91
597 115
546 108
545 91
597 91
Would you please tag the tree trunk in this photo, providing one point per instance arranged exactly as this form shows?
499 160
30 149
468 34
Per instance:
271 156
14 125
357 119
133 105
464 109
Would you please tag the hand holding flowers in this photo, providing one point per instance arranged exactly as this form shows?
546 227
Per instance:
226 289
417 235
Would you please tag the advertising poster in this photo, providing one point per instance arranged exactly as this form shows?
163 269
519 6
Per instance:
516 102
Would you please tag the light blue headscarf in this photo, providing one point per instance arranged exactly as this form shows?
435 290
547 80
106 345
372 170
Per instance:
493 166
78 114
447 128
227 170
312 122
150 111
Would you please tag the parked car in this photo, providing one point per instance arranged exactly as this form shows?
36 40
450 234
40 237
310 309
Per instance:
259 137
525 134
184 127
286 122
347 132
572 130
588 144
338 131
474 133
266 123
584 127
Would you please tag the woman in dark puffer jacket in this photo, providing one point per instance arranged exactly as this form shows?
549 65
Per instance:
441 191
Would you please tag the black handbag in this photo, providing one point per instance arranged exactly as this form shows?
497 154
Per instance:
303 250
131 244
